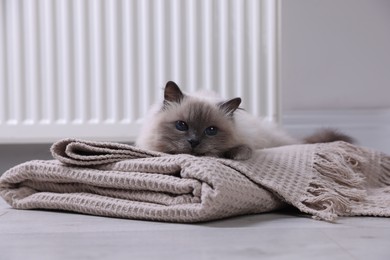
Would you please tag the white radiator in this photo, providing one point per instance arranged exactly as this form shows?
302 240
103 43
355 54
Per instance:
91 68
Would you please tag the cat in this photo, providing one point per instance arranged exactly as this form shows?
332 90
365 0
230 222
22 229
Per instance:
203 125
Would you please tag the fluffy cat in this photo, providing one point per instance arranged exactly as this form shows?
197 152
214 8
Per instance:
203 125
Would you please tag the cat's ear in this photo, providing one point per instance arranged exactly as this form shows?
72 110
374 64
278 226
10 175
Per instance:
230 106
172 93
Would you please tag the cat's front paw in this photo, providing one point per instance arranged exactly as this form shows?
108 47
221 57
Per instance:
240 152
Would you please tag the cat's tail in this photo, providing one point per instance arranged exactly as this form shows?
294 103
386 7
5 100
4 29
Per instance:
328 135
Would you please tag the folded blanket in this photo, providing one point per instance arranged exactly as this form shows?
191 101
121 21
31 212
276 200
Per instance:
119 180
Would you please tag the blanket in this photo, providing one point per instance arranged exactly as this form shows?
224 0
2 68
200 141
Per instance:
120 180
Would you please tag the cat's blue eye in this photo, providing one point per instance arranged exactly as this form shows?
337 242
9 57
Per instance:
181 126
211 130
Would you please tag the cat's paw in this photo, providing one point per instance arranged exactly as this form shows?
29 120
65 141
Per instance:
240 152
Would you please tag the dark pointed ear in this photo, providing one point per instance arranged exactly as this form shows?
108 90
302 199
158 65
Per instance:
230 106
172 93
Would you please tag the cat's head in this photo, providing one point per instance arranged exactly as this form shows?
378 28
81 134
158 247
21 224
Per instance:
193 125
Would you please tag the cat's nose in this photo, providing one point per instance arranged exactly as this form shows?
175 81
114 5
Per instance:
193 142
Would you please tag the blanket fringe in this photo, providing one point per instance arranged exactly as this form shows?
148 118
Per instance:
338 181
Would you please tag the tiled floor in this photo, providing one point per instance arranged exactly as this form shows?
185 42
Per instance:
31 234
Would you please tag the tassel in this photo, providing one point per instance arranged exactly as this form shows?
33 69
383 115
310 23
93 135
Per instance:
338 180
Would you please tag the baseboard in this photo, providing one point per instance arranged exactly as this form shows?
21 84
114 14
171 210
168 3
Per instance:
370 128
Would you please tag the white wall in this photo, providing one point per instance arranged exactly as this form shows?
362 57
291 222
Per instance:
336 68
335 54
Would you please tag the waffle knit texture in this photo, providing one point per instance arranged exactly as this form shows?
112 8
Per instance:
119 180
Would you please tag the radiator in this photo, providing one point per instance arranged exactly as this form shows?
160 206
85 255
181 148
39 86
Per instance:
92 68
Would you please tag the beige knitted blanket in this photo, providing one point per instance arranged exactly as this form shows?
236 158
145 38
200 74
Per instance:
118 180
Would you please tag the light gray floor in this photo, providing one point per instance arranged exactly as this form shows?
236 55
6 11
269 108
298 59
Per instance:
31 234
13 154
